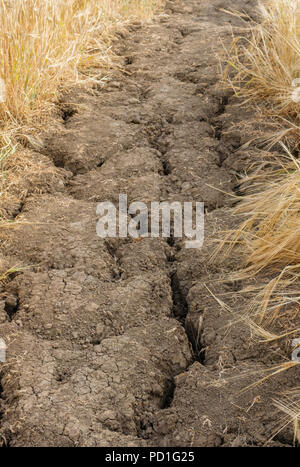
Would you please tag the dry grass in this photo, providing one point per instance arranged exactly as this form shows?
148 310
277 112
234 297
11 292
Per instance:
264 70
267 62
290 406
271 229
49 43
266 65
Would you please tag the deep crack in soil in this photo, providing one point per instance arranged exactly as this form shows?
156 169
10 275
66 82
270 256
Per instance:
121 342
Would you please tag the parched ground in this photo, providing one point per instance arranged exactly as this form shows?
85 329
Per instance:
122 342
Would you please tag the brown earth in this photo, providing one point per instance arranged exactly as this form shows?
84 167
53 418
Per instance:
121 342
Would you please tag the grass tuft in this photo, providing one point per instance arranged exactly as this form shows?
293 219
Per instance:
50 43
263 69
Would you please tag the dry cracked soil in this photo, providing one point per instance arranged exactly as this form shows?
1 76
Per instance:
117 342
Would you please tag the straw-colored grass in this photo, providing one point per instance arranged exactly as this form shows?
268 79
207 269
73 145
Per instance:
45 44
263 69
289 405
266 70
267 62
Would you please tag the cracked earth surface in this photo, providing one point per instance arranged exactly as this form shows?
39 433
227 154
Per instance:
121 342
